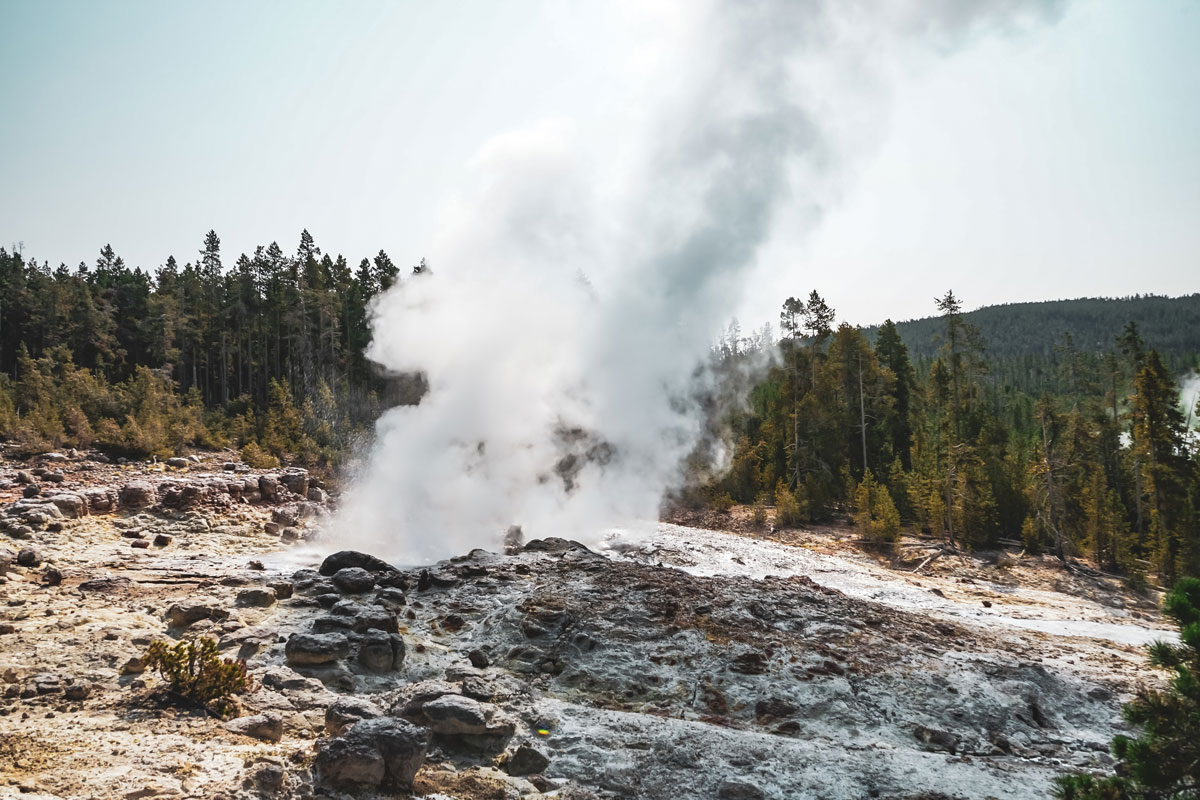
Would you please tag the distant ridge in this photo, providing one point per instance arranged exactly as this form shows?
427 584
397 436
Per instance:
1170 325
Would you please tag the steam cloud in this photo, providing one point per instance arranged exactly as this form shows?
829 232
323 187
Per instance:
577 292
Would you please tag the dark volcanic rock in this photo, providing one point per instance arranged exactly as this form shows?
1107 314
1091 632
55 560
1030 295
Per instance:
353 580
383 752
346 711
352 558
737 790
316 648
258 598
381 652
525 760
28 557
935 739
553 544
455 715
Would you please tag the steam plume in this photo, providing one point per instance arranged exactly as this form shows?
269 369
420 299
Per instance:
575 293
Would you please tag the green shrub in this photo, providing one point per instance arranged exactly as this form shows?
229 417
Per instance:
876 514
195 671
790 508
258 458
759 514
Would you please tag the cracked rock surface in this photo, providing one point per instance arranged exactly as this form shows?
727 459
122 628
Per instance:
660 665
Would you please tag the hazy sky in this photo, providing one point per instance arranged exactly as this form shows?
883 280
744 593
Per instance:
1060 161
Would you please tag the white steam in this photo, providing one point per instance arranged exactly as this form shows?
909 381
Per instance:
578 288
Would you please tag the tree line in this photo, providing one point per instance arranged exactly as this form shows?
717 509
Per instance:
1101 462
266 353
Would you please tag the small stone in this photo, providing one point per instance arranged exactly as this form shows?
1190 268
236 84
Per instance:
7 628
32 490
133 666
525 760
268 778
345 711
737 790
178 463
479 660
28 557
78 691
380 652
140 544
256 598
935 739
271 527
283 589
181 615
161 540
267 727
289 535
51 576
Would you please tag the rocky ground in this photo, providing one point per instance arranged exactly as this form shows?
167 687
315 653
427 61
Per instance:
664 662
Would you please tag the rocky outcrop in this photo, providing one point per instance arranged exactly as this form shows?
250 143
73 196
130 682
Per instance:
380 753
345 559
346 711
307 649
138 494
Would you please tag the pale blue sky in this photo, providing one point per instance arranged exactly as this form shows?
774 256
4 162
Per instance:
1061 162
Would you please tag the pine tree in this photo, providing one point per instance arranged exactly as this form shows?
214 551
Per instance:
1163 761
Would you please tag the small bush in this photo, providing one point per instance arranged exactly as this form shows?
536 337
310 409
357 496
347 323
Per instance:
876 514
790 508
721 501
759 517
258 458
195 671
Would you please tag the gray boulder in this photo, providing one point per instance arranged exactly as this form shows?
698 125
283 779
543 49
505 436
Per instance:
316 648
348 710
137 494
353 580
380 753
381 652
70 504
352 558
455 715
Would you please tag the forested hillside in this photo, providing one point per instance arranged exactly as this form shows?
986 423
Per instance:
1099 461
265 353
1172 324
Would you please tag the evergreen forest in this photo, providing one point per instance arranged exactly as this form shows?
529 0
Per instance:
1057 424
